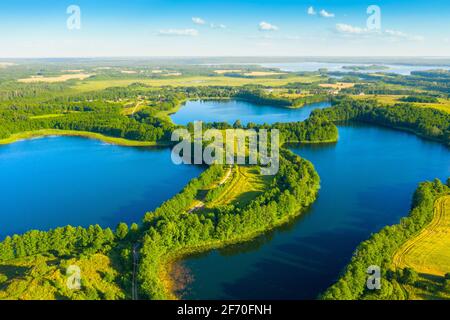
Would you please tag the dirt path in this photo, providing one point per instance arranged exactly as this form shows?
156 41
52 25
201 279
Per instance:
226 177
200 204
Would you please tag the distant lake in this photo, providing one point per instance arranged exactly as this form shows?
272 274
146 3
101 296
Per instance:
57 181
315 66
232 110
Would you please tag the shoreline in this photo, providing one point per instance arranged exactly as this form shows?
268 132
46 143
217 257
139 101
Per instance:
166 267
26 135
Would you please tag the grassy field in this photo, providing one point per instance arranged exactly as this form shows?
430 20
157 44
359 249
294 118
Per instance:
61 78
263 73
429 255
443 105
429 252
246 184
240 185
53 132
337 85
92 85
47 116
45 278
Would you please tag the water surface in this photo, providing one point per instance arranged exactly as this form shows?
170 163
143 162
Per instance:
368 179
333 67
232 110
56 181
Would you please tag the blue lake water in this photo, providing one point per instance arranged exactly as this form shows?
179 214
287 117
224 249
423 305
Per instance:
232 110
368 179
57 181
315 66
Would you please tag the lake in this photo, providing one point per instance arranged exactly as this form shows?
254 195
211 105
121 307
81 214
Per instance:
368 179
232 110
333 67
57 181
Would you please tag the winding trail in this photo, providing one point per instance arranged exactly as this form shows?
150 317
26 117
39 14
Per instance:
200 204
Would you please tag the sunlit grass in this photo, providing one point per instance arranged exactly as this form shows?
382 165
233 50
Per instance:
45 278
53 132
245 185
93 85
443 105
429 252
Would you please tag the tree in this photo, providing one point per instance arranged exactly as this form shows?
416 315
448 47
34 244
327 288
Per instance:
121 231
3 278
446 285
134 227
410 276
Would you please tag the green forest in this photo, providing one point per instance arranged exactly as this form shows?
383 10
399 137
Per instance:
380 248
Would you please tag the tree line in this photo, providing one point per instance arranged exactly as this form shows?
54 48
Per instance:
427 122
172 231
380 249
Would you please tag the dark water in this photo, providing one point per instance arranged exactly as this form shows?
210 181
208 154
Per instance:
368 179
50 182
232 110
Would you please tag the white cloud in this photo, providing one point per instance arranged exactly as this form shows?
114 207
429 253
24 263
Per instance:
390 34
218 26
312 11
179 32
202 22
198 20
346 28
400 34
265 26
396 33
325 14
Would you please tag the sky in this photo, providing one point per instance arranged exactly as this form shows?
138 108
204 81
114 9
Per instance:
46 28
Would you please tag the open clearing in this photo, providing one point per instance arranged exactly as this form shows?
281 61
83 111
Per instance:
47 116
227 71
6 64
443 104
246 184
428 252
61 78
337 86
93 85
74 133
44 278
263 73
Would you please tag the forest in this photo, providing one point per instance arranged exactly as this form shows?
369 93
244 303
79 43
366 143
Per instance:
429 123
379 251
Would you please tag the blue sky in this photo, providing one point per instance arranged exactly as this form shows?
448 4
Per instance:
33 28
